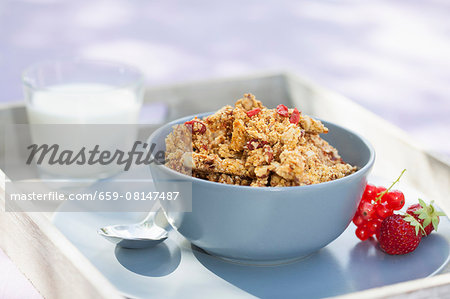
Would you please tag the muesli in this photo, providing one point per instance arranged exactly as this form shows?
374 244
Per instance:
249 144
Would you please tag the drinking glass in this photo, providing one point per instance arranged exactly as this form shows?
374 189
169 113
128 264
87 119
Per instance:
82 104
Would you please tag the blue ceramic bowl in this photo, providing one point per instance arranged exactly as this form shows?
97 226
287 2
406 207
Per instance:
267 224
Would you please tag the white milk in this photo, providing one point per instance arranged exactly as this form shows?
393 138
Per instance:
83 104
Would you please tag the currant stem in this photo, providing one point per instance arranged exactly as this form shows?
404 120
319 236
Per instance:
381 194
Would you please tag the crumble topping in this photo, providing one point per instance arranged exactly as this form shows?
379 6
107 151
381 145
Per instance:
251 145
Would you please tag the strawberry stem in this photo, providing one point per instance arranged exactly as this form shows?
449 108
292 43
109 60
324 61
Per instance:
381 194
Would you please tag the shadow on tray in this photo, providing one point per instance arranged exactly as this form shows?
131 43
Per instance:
157 261
307 278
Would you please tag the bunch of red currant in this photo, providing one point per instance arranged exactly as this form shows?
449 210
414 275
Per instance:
377 203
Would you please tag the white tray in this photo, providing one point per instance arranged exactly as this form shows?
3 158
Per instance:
36 246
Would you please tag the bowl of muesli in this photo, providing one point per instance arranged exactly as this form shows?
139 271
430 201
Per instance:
265 185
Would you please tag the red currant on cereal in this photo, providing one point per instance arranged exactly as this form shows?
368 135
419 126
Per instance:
282 110
295 117
253 112
196 126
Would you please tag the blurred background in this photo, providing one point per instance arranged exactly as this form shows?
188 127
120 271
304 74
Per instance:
392 57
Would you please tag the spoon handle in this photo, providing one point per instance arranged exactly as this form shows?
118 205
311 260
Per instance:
150 218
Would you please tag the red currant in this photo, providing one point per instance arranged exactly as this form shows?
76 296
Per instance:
362 233
383 211
367 211
374 225
365 199
196 126
395 200
379 190
370 192
376 204
358 220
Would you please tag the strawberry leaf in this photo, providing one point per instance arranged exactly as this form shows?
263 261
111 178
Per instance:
435 222
423 215
422 203
413 222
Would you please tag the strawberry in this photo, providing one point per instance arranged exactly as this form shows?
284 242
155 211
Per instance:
399 234
426 215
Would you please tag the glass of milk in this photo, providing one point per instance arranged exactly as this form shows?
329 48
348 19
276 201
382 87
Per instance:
67 102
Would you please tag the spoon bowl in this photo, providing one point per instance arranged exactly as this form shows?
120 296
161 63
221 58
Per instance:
137 235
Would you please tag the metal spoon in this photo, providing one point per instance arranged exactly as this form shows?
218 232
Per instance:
138 235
